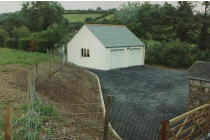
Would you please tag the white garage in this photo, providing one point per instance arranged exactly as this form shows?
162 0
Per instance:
116 59
134 57
105 47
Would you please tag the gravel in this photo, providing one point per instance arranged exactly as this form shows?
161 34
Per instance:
142 96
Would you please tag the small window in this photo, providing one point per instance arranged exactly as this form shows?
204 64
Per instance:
88 53
85 52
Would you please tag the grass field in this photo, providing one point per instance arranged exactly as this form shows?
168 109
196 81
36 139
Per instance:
81 17
10 56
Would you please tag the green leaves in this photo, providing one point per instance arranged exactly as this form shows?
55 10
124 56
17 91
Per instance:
39 15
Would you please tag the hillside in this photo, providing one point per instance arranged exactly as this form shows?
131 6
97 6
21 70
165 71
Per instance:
10 56
71 106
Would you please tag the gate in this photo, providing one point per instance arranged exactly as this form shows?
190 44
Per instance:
190 125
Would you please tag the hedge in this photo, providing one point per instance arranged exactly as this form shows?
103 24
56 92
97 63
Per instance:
11 43
24 44
43 44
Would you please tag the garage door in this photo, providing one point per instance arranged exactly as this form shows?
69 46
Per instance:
134 57
116 59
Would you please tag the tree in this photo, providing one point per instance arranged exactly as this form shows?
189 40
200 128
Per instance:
184 20
13 20
128 12
98 9
3 36
21 32
204 18
39 15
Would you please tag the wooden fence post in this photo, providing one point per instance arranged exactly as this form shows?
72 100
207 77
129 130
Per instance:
207 123
29 91
50 63
106 125
47 50
164 133
8 120
36 71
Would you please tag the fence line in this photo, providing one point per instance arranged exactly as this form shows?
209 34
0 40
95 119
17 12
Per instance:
44 119
131 126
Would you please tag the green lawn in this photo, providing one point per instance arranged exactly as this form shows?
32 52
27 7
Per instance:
10 56
79 17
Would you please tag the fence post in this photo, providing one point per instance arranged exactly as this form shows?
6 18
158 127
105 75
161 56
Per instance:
29 91
106 125
47 50
50 63
8 120
207 124
164 133
36 71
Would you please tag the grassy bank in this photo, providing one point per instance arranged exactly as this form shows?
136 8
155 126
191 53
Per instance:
10 56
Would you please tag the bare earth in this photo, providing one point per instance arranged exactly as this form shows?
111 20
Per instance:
72 91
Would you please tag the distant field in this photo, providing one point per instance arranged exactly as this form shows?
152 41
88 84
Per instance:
107 17
81 17
10 56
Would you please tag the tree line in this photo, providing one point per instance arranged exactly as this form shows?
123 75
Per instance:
175 36
38 26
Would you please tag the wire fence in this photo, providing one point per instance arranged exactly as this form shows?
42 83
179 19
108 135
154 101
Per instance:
38 117
131 126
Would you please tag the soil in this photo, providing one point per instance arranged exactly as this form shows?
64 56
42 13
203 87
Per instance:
142 96
13 87
71 90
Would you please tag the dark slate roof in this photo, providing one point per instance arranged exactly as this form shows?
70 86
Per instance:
114 35
199 70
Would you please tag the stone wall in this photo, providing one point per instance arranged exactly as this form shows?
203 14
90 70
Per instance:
199 93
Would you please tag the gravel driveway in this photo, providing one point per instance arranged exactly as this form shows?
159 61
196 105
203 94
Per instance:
142 96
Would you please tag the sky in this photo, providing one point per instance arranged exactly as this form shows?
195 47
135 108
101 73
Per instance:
12 6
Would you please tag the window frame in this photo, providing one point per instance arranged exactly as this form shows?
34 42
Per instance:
85 52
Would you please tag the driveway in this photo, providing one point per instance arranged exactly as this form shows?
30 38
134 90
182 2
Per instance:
142 96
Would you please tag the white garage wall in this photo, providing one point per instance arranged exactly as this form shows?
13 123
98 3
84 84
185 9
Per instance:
85 39
125 58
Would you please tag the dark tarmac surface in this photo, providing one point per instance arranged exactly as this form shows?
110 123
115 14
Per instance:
142 96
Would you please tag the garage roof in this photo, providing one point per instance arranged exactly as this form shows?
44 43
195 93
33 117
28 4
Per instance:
114 35
200 71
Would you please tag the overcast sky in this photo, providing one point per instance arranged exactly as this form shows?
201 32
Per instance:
12 6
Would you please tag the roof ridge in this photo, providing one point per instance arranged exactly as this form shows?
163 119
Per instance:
105 25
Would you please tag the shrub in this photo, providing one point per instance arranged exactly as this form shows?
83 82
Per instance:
24 44
173 54
21 32
154 54
43 44
203 55
3 36
178 54
11 43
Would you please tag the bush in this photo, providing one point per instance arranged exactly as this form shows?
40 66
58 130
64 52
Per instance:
173 54
20 32
11 43
3 36
43 44
203 55
24 44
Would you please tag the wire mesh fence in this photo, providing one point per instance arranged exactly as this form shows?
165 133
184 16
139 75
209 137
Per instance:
41 118
131 126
